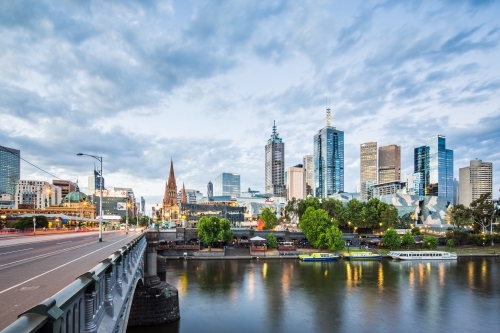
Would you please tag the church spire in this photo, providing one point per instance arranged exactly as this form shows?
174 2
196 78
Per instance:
183 195
171 177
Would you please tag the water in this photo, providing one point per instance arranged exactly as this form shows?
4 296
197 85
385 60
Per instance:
292 296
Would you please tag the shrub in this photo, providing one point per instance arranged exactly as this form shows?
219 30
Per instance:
450 243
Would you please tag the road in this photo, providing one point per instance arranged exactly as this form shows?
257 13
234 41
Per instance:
33 268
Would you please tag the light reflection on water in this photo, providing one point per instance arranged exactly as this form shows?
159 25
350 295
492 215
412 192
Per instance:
373 296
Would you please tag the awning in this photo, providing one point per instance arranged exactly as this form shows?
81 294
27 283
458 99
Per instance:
257 238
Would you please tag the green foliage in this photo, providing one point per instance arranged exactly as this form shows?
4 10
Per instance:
291 209
271 241
430 242
407 239
371 213
302 205
481 211
334 238
269 218
212 229
27 222
335 210
406 220
314 223
354 213
450 243
144 221
389 217
391 238
416 231
460 216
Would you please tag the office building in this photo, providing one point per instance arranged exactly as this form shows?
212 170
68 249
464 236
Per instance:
368 168
10 170
309 168
94 183
143 206
434 164
296 183
227 184
210 190
35 194
475 180
328 160
389 163
275 165
66 186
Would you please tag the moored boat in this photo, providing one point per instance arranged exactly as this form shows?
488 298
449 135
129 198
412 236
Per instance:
423 255
362 256
317 256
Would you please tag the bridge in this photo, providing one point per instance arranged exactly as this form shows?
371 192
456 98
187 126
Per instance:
115 293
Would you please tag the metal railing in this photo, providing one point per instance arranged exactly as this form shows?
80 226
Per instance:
100 296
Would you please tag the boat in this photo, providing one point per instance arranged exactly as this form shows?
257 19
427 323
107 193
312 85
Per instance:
317 256
362 256
423 255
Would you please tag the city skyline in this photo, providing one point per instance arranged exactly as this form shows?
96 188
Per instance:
139 84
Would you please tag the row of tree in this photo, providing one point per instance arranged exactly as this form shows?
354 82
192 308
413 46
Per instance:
480 214
373 214
391 239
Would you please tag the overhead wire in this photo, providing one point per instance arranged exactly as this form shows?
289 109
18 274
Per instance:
9 151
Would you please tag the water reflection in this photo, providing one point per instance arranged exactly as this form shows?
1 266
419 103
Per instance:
292 296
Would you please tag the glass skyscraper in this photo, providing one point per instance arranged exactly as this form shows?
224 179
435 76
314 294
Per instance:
227 184
328 160
275 165
10 169
434 163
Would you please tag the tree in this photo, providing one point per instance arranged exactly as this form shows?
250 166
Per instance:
291 209
389 217
460 216
334 208
391 238
416 231
430 242
450 243
269 218
144 220
27 222
482 210
314 223
354 213
334 238
212 229
302 205
371 213
407 239
271 241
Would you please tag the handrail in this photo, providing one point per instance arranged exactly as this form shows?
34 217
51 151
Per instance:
82 303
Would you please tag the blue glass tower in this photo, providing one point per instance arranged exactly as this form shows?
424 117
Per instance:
328 160
434 163
10 169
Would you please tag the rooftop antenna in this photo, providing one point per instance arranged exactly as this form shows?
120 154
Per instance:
328 116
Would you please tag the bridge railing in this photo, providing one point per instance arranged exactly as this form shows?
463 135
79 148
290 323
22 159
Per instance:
82 305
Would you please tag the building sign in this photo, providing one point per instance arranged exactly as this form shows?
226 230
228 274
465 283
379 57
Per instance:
111 193
121 206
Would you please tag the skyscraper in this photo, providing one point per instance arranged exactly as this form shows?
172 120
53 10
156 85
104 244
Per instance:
210 191
227 184
475 180
328 160
389 163
94 183
309 167
368 168
10 169
295 185
434 164
275 165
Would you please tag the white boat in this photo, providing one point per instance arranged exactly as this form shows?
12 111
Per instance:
319 257
423 255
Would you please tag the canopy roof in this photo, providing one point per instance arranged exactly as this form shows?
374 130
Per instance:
257 238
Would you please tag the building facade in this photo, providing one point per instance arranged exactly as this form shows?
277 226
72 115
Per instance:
210 190
368 168
328 160
309 168
10 169
275 165
434 164
66 186
94 183
170 207
389 163
36 194
475 180
296 183
227 184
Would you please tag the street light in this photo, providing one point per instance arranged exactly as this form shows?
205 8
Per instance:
127 205
47 201
100 194
34 224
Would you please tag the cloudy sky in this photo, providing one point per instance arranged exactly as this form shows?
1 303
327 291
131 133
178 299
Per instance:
201 82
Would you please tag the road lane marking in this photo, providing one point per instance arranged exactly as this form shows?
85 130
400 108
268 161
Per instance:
64 242
16 251
56 268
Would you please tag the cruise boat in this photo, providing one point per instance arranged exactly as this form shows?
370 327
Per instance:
423 255
319 257
362 256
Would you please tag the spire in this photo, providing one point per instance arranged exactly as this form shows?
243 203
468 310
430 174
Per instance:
328 117
183 195
170 196
171 176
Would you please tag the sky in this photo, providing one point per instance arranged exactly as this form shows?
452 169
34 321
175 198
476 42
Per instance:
141 83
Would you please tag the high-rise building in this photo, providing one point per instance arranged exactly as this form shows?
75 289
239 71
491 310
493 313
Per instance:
296 185
309 167
475 180
434 163
35 194
227 184
10 169
389 163
143 206
368 168
210 190
66 186
275 165
328 160
94 183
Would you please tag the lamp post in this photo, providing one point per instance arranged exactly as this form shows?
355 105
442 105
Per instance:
47 201
99 158
127 205
34 224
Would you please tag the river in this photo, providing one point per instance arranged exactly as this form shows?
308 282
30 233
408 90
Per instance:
286 295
